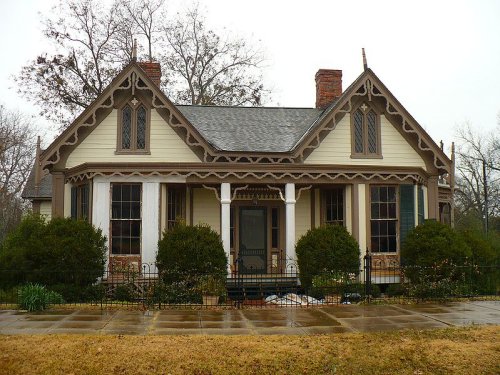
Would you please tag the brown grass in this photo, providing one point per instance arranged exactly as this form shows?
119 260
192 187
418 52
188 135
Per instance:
473 350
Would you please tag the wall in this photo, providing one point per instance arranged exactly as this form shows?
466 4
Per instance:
336 148
46 209
302 214
206 208
100 145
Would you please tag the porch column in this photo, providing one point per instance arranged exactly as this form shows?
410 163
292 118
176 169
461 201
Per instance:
150 223
57 194
225 220
290 221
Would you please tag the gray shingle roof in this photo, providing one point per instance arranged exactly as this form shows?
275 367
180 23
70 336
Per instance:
251 129
44 190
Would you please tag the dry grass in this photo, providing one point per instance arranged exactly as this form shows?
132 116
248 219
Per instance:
473 350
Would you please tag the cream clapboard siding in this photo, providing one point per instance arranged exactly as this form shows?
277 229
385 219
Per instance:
46 209
100 145
206 208
336 148
302 215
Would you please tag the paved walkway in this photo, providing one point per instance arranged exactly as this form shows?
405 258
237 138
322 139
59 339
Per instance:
302 321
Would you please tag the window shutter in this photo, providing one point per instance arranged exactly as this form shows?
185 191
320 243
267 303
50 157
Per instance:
74 200
420 205
406 211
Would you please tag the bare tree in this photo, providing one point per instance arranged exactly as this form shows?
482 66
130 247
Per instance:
143 17
17 137
92 42
86 37
203 68
478 177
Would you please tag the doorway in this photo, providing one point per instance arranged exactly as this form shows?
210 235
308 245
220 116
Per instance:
253 240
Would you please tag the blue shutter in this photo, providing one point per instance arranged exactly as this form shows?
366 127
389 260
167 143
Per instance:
74 200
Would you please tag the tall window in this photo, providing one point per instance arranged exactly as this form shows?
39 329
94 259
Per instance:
365 133
126 219
80 202
275 227
133 127
383 219
175 205
334 206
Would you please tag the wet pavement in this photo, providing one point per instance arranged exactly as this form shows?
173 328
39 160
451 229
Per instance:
301 321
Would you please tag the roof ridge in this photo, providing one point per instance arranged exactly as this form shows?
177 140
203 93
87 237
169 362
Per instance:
240 107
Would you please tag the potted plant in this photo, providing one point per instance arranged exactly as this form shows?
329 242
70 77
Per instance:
211 287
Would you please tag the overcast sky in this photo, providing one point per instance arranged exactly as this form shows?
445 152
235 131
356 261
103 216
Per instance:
441 59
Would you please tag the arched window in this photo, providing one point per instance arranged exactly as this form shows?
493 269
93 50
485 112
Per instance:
133 128
365 129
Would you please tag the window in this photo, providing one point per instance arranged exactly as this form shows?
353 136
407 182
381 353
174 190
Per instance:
334 206
383 219
231 228
126 219
175 205
275 227
80 202
365 129
133 132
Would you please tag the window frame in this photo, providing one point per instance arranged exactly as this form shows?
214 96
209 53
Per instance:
77 212
324 210
181 190
133 137
111 219
396 219
366 154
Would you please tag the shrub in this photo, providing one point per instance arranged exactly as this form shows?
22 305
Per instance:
62 251
326 249
35 297
433 243
187 252
395 290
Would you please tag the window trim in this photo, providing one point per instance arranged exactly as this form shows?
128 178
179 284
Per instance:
323 210
110 248
133 149
366 154
369 219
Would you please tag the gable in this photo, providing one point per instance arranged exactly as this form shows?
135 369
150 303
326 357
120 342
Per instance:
130 82
335 148
100 145
367 87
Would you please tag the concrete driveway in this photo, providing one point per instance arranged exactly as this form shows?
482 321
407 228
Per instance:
300 321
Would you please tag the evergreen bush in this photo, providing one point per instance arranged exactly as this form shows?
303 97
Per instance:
185 253
327 249
59 252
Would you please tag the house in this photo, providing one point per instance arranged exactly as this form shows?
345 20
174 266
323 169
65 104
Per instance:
133 162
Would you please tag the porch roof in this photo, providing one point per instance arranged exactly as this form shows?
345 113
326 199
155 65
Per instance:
251 129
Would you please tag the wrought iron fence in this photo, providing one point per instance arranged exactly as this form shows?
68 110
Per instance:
144 287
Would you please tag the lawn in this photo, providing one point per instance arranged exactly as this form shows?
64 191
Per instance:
471 350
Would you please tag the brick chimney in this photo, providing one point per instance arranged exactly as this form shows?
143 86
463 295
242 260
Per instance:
328 87
152 70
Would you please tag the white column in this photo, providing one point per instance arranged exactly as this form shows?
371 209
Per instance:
100 210
290 221
225 220
362 191
150 223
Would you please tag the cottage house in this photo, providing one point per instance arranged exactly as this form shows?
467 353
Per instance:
134 162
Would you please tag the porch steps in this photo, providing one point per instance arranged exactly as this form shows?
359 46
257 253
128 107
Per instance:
259 287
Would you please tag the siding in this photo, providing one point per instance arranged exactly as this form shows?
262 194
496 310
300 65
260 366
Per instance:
336 148
302 214
206 208
100 145
46 209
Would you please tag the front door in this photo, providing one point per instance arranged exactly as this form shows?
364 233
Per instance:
253 240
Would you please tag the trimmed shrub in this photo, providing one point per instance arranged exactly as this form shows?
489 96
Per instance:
187 252
433 243
326 249
62 251
35 297
395 290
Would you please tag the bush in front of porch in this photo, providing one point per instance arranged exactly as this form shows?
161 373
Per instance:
190 256
327 250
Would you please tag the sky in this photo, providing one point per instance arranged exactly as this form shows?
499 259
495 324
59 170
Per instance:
440 59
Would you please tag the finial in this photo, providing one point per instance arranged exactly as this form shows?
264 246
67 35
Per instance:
365 63
134 50
441 144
